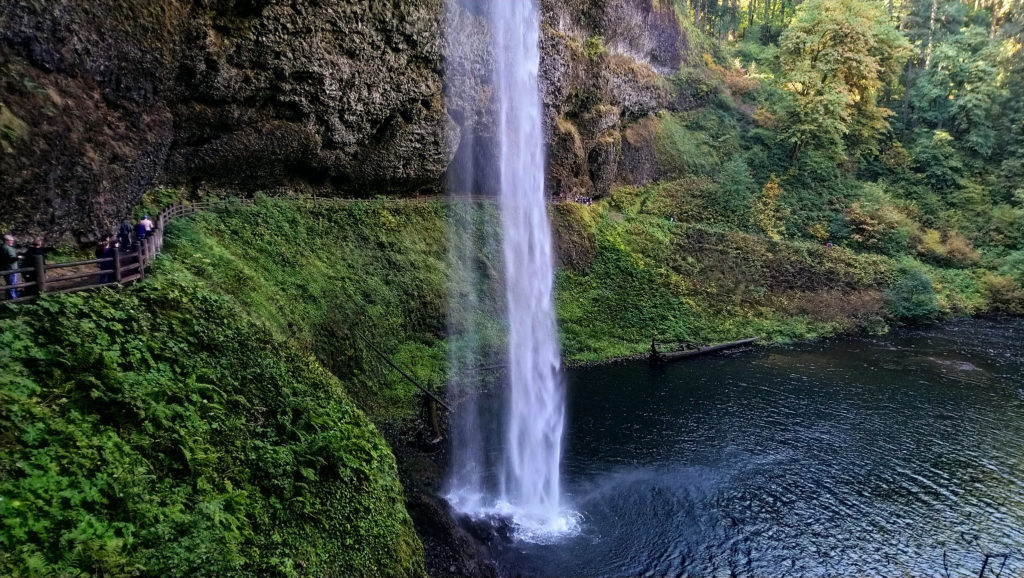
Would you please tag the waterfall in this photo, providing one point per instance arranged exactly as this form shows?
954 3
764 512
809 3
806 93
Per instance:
527 485
533 436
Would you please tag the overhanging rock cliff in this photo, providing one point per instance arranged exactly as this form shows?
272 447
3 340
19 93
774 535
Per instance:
100 100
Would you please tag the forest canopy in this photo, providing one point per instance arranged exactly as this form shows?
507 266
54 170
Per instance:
886 126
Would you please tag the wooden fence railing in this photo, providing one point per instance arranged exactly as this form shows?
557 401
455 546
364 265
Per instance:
38 278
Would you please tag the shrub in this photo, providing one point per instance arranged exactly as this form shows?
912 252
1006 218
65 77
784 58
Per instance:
1006 227
876 228
734 193
912 298
1003 293
766 212
955 250
1013 266
959 250
682 151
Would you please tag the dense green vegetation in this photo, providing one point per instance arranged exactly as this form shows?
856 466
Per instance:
630 274
205 422
159 431
896 130
313 272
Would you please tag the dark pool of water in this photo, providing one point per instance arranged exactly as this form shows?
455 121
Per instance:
866 457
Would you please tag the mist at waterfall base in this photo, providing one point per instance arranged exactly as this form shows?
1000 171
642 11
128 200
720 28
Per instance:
893 456
523 484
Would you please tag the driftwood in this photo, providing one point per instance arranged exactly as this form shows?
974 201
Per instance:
658 358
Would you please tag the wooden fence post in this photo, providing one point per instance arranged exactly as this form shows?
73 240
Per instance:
117 264
40 266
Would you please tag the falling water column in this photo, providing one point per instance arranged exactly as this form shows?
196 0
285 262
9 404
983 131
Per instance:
536 405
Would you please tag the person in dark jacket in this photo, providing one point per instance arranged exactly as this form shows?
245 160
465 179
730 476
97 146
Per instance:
9 262
124 237
105 250
29 260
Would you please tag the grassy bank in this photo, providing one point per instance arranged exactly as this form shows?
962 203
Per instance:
629 273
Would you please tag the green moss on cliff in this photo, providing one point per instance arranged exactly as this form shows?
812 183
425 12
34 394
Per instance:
312 273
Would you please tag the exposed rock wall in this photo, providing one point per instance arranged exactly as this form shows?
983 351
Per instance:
100 100
603 67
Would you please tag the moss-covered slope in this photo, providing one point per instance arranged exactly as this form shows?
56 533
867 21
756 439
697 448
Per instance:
630 273
159 431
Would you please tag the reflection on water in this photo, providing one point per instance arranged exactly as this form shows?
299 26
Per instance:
899 456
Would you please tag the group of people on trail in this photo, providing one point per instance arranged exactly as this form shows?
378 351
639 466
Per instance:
124 235
19 269
125 244
576 199
11 263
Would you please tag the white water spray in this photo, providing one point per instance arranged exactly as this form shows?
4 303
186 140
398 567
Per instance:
529 482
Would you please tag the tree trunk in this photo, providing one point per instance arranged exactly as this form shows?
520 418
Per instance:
931 35
906 96
995 19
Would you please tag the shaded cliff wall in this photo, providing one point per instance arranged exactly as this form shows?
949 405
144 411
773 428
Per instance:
100 100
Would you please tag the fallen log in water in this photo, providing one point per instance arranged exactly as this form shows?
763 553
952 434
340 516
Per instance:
657 358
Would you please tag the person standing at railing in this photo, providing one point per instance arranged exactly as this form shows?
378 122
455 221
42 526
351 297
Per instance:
148 223
105 250
30 260
9 262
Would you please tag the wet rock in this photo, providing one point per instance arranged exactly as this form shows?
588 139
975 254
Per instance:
603 161
601 71
567 173
451 542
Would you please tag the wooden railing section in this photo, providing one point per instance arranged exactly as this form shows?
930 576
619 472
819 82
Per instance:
121 269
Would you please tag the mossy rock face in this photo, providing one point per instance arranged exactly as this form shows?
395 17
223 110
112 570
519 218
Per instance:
353 98
249 94
567 174
84 79
602 67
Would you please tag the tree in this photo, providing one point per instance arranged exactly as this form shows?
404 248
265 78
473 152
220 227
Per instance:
961 91
766 214
835 57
